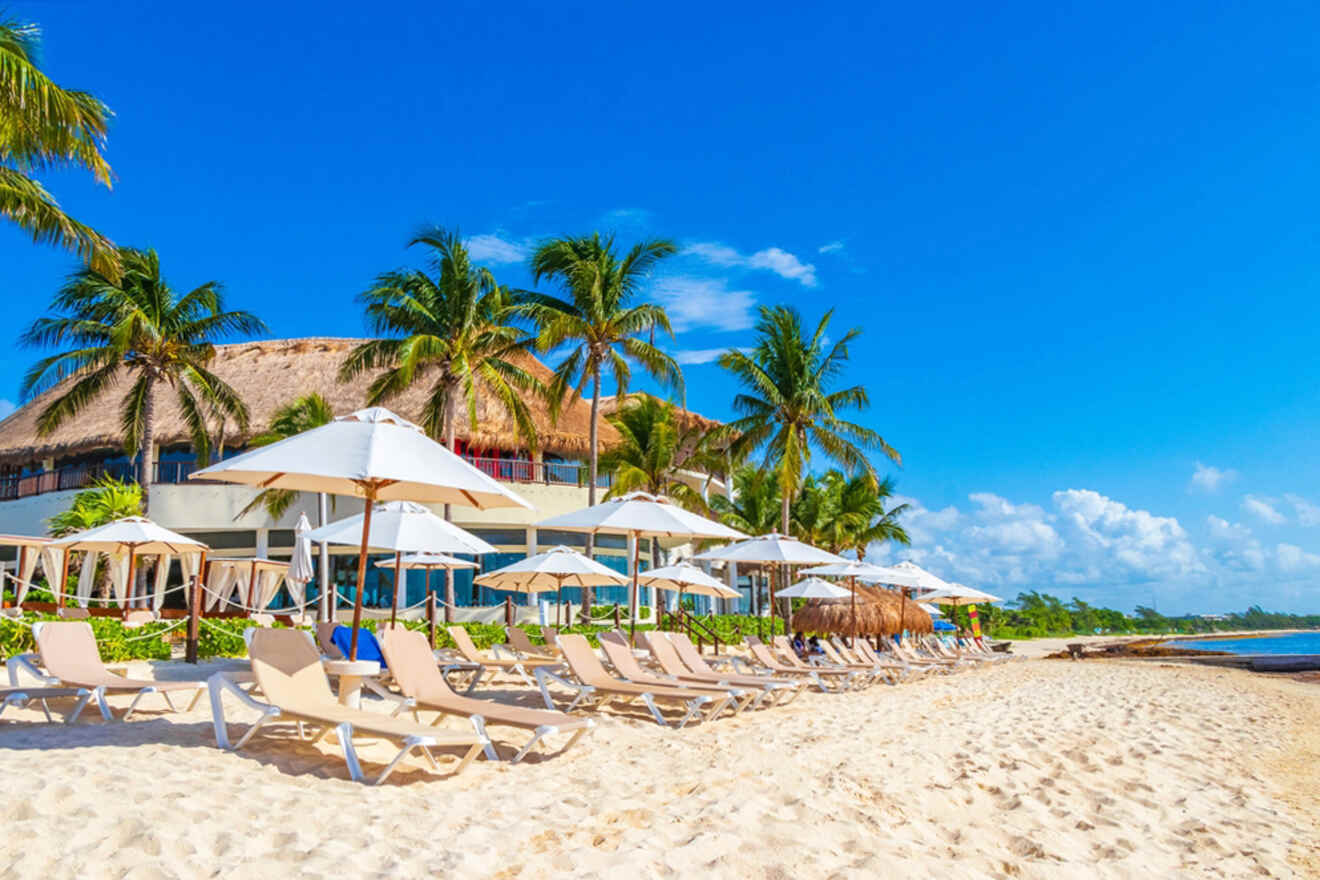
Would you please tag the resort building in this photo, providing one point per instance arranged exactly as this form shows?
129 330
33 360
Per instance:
40 474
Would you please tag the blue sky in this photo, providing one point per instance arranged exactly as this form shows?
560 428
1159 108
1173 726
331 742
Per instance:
1080 239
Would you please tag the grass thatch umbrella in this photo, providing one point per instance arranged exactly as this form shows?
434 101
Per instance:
877 614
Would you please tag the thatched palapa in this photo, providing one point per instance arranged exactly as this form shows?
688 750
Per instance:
271 373
877 614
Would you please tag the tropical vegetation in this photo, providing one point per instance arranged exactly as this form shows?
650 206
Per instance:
45 127
657 444
298 415
846 514
133 329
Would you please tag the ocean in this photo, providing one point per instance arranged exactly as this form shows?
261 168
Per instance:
1292 643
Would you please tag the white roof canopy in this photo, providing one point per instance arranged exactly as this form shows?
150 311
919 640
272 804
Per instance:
135 534
371 450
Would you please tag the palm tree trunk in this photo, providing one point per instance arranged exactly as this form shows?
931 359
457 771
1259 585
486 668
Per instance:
589 593
451 442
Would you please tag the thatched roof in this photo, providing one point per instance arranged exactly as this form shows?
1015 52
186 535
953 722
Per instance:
877 614
271 373
686 418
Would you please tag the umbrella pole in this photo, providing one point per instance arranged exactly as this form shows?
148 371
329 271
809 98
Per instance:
430 609
852 582
129 602
394 605
64 579
252 588
632 622
362 572
773 572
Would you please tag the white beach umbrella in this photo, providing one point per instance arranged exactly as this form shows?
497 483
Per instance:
957 594
551 570
932 610
30 550
301 569
814 588
374 455
401 527
427 562
772 549
684 577
907 575
641 514
132 536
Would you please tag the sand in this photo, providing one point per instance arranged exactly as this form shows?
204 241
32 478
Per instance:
1032 769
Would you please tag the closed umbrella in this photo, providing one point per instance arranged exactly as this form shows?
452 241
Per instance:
552 569
373 455
301 570
641 514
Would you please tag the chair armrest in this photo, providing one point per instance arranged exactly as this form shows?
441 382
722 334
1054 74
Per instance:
401 702
28 663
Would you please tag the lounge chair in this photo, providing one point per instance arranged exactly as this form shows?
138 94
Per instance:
325 640
20 696
288 670
138 618
73 612
68 653
421 681
896 669
839 679
522 646
467 649
550 634
873 671
596 687
866 674
621 657
777 691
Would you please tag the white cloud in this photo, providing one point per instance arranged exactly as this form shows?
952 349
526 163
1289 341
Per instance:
626 217
1293 559
1308 514
698 355
1234 546
831 247
7 408
773 259
704 302
1263 509
1208 478
491 248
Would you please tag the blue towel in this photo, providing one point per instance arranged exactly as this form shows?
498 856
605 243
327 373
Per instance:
368 647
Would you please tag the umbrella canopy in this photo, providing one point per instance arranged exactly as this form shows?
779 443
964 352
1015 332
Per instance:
907 574
402 527
643 514
814 588
686 578
132 534
370 454
932 610
771 549
428 561
957 594
555 568
848 568
300 566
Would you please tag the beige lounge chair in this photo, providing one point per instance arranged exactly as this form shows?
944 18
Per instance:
838 679
521 666
73 612
777 691
325 640
596 687
550 634
621 657
415 672
139 618
288 670
872 672
68 653
20 696
864 676
522 645
853 654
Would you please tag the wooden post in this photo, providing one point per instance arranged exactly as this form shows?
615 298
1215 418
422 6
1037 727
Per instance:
430 609
132 558
394 600
195 611
252 588
362 571
64 579
508 611
616 615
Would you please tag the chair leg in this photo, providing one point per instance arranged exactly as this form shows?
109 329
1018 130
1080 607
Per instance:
468 758
655 712
101 704
83 696
197 696
479 724
345 732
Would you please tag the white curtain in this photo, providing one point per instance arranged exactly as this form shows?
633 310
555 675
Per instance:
296 592
268 584
190 563
119 577
87 577
29 560
219 585
162 576
52 563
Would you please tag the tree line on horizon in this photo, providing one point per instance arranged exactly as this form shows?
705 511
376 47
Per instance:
452 327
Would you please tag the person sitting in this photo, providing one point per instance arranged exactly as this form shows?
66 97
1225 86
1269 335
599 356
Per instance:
814 648
799 645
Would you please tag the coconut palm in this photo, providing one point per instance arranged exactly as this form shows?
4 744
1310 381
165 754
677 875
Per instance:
789 406
753 508
843 513
44 127
298 415
452 327
104 501
654 448
604 323
134 326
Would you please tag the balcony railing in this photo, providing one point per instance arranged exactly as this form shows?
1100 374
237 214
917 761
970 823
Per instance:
509 470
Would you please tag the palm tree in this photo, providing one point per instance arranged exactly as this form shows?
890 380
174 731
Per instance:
135 325
298 415
652 451
601 319
789 406
44 127
452 325
753 508
104 501
843 513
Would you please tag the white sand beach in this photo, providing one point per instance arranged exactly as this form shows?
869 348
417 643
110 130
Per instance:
1033 769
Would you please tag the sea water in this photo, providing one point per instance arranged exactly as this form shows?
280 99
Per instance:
1292 643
